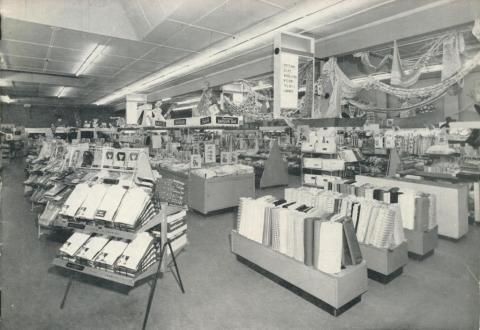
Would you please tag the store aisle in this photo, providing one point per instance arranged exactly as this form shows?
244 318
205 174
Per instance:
221 293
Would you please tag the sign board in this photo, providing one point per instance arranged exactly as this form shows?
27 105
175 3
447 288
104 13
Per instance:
289 81
210 153
233 158
205 120
227 120
160 123
225 158
195 161
179 122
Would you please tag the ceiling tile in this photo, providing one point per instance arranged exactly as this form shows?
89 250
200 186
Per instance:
77 40
23 68
145 66
25 31
22 49
191 10
194 39
97 70
164 31
113 61
283 3
25 62
166 55
237 15
67 55
127 48
62 67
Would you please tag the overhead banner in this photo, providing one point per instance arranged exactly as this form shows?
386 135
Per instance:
289 81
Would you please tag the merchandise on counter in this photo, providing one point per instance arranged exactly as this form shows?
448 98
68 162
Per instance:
222 170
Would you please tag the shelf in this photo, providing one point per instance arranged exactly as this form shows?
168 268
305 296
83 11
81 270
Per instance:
106 275
112 276
99 229
335 290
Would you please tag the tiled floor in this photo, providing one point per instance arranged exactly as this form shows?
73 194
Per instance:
440 292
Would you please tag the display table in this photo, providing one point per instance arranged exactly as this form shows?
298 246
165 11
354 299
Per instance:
451 201
335 293
421 244
206 195
384 265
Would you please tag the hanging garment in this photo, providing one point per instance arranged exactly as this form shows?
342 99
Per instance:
75 200
89 206
73 244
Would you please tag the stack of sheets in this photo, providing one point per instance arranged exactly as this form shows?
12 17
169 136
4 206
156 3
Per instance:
137 256
135 209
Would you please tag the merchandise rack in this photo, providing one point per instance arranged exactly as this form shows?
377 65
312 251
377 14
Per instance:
334 293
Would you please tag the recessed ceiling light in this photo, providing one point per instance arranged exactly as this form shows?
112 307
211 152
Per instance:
90 58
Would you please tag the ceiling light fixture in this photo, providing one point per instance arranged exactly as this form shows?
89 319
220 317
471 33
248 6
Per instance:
90 58
192 100
61 92
6 99
306 14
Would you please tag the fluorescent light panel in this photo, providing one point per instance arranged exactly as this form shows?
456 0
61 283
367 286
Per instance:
260 35
6 99
90 58
61 91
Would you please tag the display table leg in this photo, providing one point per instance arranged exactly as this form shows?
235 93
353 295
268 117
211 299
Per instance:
476 201
67 289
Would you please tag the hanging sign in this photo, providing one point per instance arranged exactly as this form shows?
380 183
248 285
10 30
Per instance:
205 120
227 120
289 81
179 122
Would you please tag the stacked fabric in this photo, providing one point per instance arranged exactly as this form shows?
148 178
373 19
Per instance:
75 200
92 201
108 206
177 229
306 233
72 245
89 250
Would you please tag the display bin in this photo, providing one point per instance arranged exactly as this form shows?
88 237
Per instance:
451 201
335 293
213 194
385 264
421 244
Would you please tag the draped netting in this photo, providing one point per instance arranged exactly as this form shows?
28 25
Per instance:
255 103
305 75
345 90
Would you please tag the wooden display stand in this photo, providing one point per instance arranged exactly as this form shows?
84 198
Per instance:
451 201
384 265
421 244
335 293
275 171
206 195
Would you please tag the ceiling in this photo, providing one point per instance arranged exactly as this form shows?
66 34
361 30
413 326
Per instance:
43 45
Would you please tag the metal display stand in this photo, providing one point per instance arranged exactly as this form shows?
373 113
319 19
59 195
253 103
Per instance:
334 293
384 265
164 256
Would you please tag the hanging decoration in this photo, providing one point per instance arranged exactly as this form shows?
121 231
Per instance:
255 103
305 78
344 90
365 59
